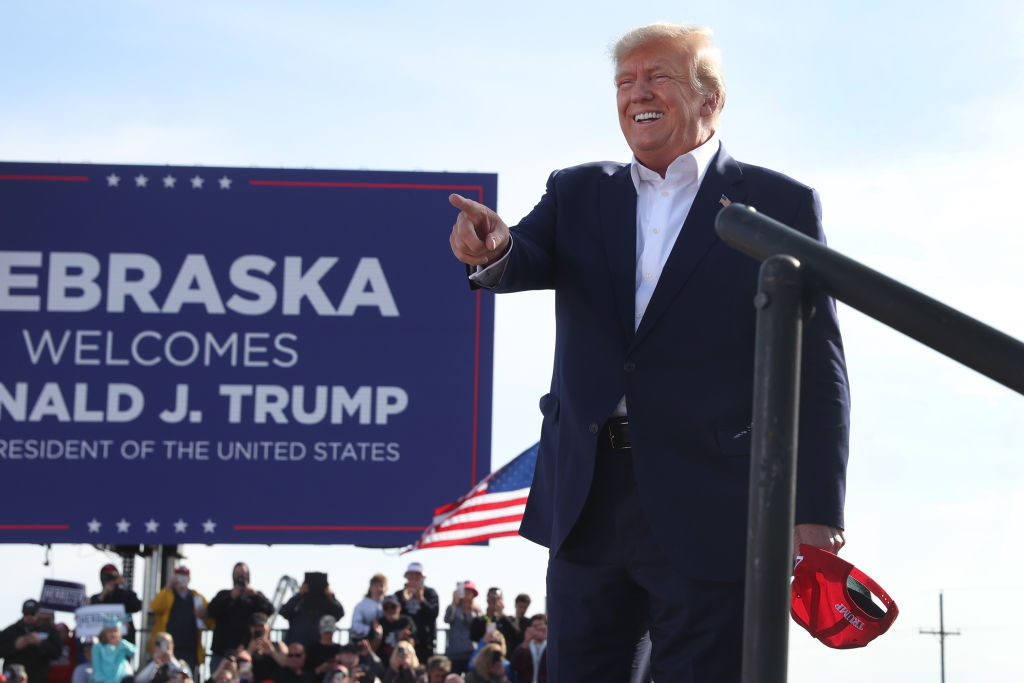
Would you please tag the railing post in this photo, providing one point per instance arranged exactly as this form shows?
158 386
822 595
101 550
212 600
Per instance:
779 304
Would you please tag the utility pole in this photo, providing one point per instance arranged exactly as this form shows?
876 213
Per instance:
942 633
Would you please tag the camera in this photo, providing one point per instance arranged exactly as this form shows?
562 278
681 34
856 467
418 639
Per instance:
316 582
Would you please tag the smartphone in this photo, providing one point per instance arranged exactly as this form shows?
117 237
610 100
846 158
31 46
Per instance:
460 589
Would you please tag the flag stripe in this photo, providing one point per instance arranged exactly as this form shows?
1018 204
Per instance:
472 533
491 509
478 524
495 505
467 541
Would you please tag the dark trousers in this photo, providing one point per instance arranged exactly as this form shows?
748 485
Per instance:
610 583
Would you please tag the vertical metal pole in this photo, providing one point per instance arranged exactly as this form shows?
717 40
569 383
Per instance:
942 640
772 470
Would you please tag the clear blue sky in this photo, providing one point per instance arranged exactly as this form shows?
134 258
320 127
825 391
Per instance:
904 115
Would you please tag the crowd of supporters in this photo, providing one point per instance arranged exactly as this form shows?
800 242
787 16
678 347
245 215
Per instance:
392 637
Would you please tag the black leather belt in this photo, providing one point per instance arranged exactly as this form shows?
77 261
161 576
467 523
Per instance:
616 434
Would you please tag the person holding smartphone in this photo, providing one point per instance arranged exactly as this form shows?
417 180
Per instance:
181 612
30 643
164 664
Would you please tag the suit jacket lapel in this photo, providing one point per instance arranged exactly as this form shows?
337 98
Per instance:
723 177
617 200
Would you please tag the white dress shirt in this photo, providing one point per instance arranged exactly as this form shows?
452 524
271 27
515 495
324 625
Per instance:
662 205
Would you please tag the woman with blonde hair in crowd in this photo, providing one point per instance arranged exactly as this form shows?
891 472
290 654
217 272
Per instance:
489 666
403 664
497 638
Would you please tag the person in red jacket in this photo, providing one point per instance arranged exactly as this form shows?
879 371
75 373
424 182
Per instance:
529 660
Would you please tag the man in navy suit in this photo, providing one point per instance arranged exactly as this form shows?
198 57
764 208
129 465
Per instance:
640 491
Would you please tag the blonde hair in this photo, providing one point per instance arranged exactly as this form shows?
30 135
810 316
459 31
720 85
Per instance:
410 655
706 60
500 641
485 660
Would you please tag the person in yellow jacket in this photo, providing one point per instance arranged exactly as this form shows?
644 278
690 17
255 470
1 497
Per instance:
181 612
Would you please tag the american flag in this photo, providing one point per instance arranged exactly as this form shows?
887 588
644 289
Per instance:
493 508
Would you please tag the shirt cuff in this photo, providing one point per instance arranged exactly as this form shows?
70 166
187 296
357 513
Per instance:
489 276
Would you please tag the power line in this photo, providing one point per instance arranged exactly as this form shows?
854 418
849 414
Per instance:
942 633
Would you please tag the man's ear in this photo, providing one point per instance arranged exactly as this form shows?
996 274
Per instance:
710 105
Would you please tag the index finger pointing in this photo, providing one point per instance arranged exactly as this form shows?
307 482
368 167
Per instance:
467 205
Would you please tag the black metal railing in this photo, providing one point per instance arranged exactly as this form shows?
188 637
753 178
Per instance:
792 263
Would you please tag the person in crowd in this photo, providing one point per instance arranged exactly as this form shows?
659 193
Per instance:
495 637
489 667
320 655
530 660
264 655
164 664
62 668
303 611
459 616
495 618
641 479
181 612
438 668
369 608
111 657
420 602
403 664
117 592
522 620
243 661
294 669
363 664
83 672
232 610
227 669
14 673
30 642
395 627
337 674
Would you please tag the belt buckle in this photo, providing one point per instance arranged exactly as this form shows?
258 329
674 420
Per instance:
620 422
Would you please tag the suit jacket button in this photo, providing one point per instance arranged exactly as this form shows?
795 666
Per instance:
594 428
629 366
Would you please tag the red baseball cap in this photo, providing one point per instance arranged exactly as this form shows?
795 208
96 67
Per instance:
832 600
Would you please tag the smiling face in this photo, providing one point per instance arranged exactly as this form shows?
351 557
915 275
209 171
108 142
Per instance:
661 115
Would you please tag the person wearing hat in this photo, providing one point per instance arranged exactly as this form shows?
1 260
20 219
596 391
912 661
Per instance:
395 627
420 602
111 657
181 611
116 592
30 643
320 655
460 615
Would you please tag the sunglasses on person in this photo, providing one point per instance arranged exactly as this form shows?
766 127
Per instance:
296 654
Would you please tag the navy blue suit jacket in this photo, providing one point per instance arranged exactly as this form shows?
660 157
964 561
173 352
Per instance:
687 372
